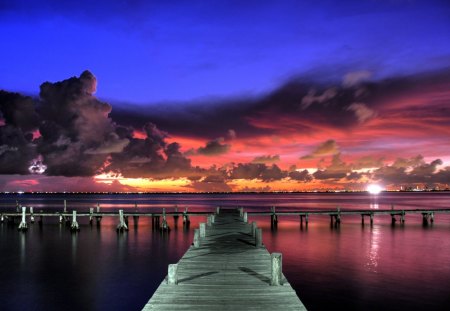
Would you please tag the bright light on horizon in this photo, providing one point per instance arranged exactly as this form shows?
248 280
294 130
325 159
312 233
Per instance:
374 189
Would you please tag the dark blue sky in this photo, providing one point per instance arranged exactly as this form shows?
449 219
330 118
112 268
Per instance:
184 50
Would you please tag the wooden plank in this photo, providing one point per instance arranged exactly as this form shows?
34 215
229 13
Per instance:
226 272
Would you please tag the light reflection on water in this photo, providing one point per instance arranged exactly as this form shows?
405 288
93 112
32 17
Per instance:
355 266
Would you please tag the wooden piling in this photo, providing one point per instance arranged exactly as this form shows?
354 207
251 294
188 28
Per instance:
122 226
172 275
276 271
202 227
31 215
23 224
258 237
254 228
245 217
74 227
196 237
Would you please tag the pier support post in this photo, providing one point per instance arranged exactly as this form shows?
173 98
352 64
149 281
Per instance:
393 220
196 238
432 217
186 216
258 237
175 215
402 217
245 217
276 274
202 229
98 218
74 227
254 228
371 219
209 221
362 219
164 225
23 224
241 212
65 206
338 216
31 215
91 211
172 274
217 210
122 226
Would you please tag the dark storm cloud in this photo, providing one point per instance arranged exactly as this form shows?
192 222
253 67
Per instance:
152 157
77 134
328 147
300 106
19 120
257 171
336 170
214 147
413 170
266 159
303 176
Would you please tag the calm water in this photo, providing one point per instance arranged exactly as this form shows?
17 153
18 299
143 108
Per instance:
384 267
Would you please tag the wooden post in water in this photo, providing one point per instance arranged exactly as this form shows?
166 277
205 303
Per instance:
254 228
65 206
17 206
91 211
276 274
217 210
31 215
306 219
186 216
371 219
98 218
273 217
164 226
202 226
241 212
172 275
208 221
245 217
338 216
122 226
175 216
74 227
23 224
402 217
432 217
196 237
258 237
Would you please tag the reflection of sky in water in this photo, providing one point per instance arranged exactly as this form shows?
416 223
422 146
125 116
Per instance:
374 206
372 253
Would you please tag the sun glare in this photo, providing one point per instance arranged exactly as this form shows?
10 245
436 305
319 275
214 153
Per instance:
374 189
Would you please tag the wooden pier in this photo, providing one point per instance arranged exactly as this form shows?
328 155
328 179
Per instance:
226 268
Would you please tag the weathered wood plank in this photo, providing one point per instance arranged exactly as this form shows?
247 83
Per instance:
225 272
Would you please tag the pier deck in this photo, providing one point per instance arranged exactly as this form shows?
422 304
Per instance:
226 272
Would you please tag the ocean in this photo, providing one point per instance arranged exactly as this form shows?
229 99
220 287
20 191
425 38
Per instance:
353 266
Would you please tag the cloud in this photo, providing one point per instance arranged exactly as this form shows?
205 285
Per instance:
266 159
214 148
367 162
336 170
312 98
326 148
362 112
354 78
76 131
303 176
257 171
411 171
